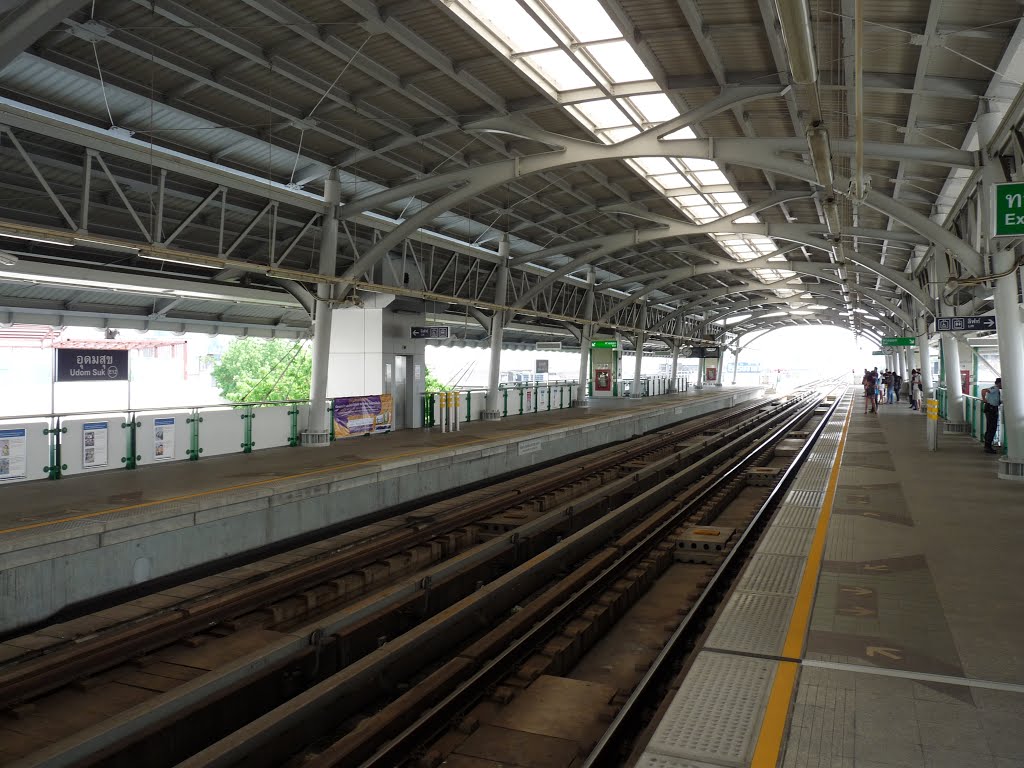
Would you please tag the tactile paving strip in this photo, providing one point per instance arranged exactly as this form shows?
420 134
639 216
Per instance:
797 517
779 540
654 760
717 711
772 575
752 623
805 498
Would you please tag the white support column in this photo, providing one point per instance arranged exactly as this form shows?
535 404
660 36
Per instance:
1008 321
672 388
317 433
493 410
735 363
950 354
926 364
636 391
586 335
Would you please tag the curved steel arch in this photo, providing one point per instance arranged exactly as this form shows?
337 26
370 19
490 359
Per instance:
744 152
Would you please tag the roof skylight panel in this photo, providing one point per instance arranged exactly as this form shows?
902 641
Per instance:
585 19
560 71
509 22
603 114
619 62
654 107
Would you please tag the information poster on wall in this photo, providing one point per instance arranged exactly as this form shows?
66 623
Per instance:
12 454
163 439
363 415
94 444
710 374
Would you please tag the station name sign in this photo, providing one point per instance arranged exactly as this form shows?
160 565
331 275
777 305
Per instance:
92 365
430 331
898 341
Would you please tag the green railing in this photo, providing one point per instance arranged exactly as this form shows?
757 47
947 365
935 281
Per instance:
514 400
973 414
83 441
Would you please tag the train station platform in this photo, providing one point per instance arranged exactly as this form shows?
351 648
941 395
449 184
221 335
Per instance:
878 623
67 541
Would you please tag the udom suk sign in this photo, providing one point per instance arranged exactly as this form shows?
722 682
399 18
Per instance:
91 365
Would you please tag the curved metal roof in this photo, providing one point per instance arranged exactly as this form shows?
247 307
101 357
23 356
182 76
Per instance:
653 147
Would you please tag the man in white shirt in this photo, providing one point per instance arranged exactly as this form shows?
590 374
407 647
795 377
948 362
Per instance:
993 397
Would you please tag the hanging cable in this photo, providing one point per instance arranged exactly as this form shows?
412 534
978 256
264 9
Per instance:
273 368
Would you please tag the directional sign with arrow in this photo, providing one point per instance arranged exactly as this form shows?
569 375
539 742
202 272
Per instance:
979 323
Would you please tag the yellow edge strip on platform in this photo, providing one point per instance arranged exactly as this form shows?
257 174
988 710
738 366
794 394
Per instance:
389 457
773 726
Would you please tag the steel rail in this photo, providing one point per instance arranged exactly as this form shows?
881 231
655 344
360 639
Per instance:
42 674
630 719
414 648
436 719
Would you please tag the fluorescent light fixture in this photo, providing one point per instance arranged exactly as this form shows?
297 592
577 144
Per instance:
20 234
795 17
107 244
157 257
79 282
821 153
8 259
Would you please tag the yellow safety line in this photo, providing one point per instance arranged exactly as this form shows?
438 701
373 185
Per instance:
773 726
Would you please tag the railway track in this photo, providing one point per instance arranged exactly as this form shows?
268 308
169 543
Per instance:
338 602
552 635
279 601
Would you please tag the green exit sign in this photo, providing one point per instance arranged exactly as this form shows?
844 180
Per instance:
1009 209
898 341
604 344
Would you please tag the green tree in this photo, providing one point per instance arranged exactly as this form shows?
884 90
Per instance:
432 383
264 369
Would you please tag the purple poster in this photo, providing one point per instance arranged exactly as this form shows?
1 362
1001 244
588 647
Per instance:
362 415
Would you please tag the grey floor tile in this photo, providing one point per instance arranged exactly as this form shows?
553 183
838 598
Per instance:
967 736
899 753
990 700
1005 734
1007 762
949 758
953 715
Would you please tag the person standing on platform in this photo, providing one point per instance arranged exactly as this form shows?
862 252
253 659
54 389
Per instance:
916 387
888 387
877 377
993 398
897 383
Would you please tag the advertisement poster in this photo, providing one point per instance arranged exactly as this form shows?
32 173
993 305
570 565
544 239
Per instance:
163 439
710 374
94 444
12 454
363 415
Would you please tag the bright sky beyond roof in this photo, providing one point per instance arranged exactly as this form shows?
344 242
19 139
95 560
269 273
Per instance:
569 46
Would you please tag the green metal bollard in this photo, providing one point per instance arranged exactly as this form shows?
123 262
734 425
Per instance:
194 421
293 430
247 417
56 468
469 405
131 460
504 409
522 391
